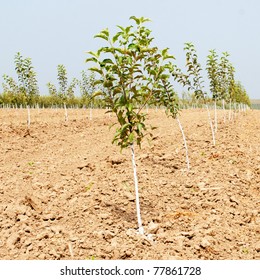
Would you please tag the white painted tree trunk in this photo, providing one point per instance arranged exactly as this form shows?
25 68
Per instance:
224 111
229 116
66 112
28 116
185 144
141 229
216 117
211 126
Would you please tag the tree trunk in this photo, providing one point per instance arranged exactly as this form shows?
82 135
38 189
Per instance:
28 117
211 126
216 118
141 229
185 144
66 112
224 111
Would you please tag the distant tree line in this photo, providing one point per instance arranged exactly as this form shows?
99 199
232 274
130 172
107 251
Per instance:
24 91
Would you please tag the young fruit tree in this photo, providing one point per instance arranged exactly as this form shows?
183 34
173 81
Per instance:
168 98
193 80
231 86
65 91
88 88
224 81
27 85
214 81
131 71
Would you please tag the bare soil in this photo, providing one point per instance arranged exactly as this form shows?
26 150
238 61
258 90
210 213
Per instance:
67 193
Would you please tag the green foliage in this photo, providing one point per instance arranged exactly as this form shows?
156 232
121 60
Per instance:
26 89
63 80
87 86
222 80
133 73
193 78
65 91
167 97
231 82
224 65
213 74
240 95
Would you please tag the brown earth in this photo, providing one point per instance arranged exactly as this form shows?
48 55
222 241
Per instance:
67 193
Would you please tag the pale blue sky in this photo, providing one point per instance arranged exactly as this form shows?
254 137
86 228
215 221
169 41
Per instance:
54 32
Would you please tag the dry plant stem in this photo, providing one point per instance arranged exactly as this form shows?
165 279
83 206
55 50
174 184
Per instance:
211 126
28 116
185 144
66 112
141 229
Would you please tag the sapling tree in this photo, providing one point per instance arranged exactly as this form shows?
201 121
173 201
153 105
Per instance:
131 71
52 89
27 85
168 98
10 90
214 81
65 91
223 83
63 83
88 87
193 79
231 85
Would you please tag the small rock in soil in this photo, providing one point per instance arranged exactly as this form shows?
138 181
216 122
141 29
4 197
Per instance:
201 185
204 243
257 246
104 216
13 239
129 196
43 235
152 228
108 234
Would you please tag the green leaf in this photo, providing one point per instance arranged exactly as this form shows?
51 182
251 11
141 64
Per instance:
131 137
93 53
91 59
139 127
98 82
125 126
121 27
137 21
94 69
107 61
134 47
97 93
102 36
165 52
115 38
107 84
105 32
168 57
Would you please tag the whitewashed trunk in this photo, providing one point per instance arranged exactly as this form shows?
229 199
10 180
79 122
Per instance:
66 112
138 211
28 116
185 144
211 126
